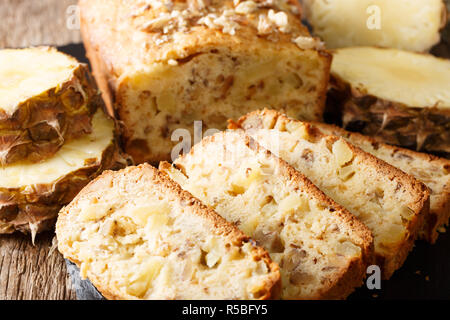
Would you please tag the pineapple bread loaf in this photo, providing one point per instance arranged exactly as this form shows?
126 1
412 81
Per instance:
391 203
431 170
46 98
164 64
137 235
31 194
322 250
409 25
401 98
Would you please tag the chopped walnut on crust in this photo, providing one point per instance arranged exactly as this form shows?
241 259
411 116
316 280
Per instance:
268 17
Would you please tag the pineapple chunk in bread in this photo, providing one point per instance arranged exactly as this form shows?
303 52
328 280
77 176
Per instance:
31 194
410 25
398 97
322 250
46 98
163 64
137 235
431 170
391 203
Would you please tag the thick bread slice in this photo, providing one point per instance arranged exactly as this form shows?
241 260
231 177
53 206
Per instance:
46 98
391 203
31 194
434 172
162 65
137 235
322 249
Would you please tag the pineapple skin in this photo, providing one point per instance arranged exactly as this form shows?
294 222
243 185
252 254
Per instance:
41 124
424 129
34 208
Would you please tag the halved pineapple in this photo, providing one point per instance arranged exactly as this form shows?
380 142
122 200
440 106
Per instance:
31 194
46 98
410 25
399 97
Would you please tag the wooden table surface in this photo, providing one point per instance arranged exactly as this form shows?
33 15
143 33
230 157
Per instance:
27 271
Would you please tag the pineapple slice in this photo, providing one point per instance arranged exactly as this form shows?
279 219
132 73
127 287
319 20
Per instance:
46 97
399 97
410 25
31 194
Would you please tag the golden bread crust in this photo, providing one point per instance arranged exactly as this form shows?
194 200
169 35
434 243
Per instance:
419 202
341 284
128 47
219 226
439 204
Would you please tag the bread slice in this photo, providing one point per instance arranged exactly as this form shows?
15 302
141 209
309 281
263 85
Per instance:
322 250
46 98
391 203
409 25
397 97
137 235
31 194
434 172
163 65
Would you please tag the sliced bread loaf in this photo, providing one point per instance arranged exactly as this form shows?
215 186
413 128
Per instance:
322 249
391 203
431 170
137 235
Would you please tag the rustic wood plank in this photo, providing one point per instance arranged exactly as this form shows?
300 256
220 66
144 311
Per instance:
30 22
32 272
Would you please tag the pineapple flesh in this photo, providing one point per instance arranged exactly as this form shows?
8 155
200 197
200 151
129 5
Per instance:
31 194
409 25
46 98
398 97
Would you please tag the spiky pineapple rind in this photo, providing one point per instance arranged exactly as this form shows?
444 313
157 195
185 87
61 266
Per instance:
41 124
33 209
421 129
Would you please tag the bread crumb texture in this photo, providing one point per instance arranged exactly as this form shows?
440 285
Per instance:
137 235
392 204
313 240
169 62
434 172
